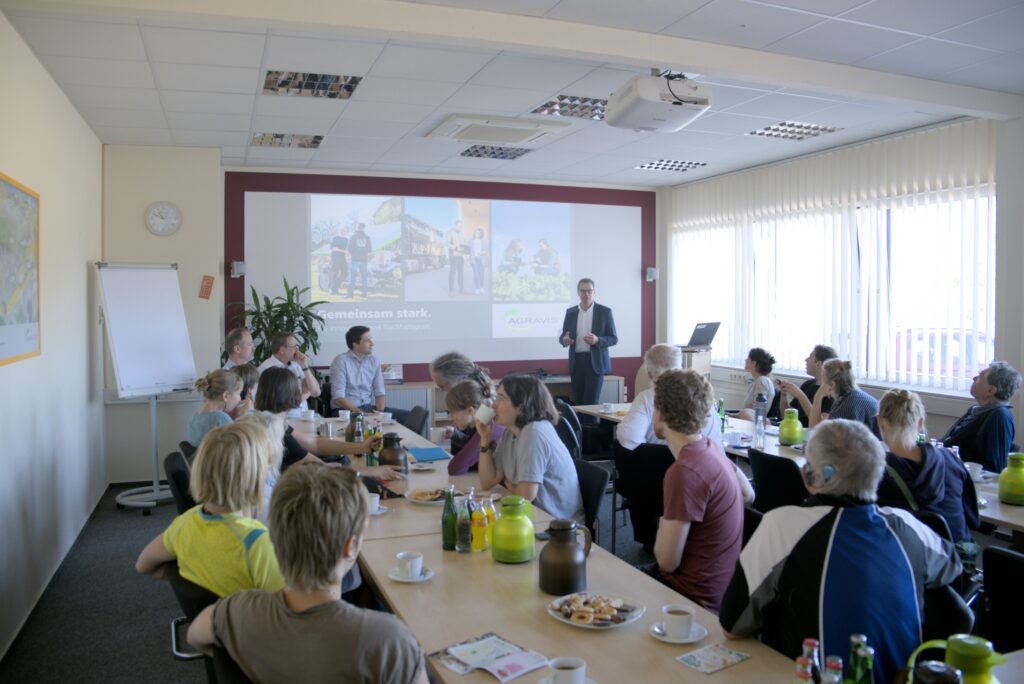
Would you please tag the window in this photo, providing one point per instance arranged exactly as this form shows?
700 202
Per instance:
825 250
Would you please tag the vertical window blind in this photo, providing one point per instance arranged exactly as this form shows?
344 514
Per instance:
884 251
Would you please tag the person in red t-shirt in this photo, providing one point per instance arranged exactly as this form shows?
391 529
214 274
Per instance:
700 532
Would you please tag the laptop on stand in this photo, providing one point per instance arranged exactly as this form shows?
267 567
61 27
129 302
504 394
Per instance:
703 335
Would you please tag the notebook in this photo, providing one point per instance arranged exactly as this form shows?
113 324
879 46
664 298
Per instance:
428 454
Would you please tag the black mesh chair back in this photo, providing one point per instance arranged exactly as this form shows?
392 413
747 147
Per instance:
568 437
936 523
226 669
775 410
945 613
777 481
178 476
569 413
751 519
192 598
593 483
187 449
417 420
1004 596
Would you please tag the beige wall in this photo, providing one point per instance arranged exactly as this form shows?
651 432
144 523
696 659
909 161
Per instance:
50 405
133 178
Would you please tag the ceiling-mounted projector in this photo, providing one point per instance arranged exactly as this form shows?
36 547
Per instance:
656 104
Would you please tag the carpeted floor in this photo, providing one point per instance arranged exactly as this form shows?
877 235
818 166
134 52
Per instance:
100 621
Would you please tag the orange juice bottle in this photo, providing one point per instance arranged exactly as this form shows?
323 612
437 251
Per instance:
492 516
479 528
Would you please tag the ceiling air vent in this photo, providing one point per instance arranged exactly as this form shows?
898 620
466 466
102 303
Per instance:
670 165
492 152
794 130
496 130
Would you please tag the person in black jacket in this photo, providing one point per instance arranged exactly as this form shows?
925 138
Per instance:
922 476
985 433
588 331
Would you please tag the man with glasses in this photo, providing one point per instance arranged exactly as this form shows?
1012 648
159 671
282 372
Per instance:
284 353
239 346
588 331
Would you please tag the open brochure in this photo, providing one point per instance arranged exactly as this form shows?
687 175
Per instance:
491 653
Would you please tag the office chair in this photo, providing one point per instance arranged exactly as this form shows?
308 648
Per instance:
777 481
192 598
187 450
569 413
416 420
568 437
639 476
1004 596
751 519
945 613
593 483
178 476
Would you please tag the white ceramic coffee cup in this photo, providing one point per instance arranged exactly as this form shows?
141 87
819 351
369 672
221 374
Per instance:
386 417
410 564
345 416
678 620
309 414
974 469
568 670
607 407
484 414
374 503
437 435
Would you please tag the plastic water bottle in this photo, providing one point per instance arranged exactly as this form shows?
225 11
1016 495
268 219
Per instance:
760 408
759 433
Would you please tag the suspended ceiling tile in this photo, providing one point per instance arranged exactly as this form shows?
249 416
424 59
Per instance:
119 135
382 111
370 128
298 105
113 98
211 122
737 124
91 39
291 124
128 118
529 73
210 103
600 83
112 73
206 78
842 42
829 7
745 24
472 98
355 150
429 64
928 58
402 90
1004 73
781 106
347 57
215 48
1001 31
925 16
234 139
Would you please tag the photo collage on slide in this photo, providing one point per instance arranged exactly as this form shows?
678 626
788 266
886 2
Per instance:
431 265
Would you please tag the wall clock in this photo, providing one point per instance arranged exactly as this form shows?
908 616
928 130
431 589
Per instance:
163 218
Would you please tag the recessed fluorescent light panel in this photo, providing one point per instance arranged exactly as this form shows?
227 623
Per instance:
794 130
493 152
310 85
575 106
671 165
293 140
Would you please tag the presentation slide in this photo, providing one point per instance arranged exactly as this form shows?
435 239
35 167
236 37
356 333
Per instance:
490 278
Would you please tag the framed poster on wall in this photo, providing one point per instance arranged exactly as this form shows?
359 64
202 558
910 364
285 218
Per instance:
19 271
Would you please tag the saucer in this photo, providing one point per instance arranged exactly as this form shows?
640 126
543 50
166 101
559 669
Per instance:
425 574
421 466
697 632
381 510
548 680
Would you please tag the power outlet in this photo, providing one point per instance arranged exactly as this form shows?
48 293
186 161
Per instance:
738 377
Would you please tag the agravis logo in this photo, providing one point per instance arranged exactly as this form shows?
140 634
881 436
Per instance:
516 320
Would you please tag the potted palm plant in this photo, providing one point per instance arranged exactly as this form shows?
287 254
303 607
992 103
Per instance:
287 313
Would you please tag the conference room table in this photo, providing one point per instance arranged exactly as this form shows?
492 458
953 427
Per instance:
471 594
998 513
406 518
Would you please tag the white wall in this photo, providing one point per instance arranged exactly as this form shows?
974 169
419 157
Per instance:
50 405
133 178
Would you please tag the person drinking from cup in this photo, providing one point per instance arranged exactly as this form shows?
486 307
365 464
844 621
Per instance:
920 475
305 631
838 564
530 460
468 402
701 528
450 369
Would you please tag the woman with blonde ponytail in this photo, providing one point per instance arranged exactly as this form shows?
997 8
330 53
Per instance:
222 393
921 476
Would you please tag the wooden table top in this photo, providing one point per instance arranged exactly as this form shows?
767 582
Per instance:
471 594
997 512
404 517
616 416
771 442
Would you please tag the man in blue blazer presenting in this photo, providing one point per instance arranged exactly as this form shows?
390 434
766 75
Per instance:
588 331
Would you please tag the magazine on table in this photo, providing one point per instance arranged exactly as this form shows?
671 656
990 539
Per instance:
491 653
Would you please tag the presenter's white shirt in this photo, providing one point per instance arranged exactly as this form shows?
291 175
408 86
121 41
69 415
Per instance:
584 324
